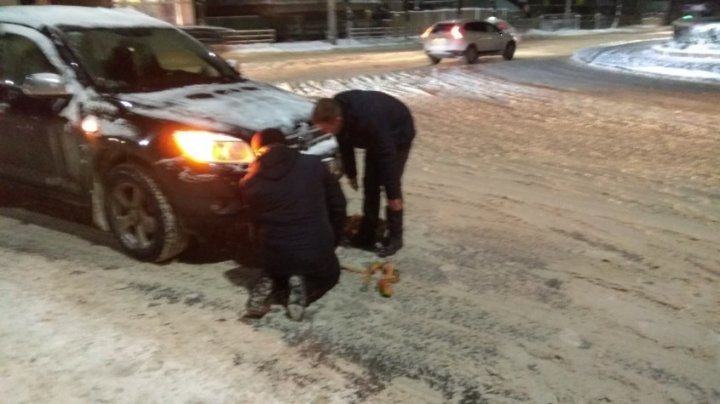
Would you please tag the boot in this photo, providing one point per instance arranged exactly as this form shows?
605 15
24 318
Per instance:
394 240
365 237
258 303
297 300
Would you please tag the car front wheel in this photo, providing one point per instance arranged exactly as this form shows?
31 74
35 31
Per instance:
509 52
140 215
434 60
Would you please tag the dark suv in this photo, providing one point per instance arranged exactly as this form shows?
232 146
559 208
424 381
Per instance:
135 119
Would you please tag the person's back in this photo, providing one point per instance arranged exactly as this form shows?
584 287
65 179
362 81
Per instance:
287 195
384 112
299 210
383 126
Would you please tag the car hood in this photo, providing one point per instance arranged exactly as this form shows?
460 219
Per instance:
248 106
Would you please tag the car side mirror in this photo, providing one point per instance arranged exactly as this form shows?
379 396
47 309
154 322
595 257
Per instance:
44 85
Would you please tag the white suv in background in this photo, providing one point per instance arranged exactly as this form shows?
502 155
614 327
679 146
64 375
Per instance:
469 39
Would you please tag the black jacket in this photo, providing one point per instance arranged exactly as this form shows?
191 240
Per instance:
299 210
379 123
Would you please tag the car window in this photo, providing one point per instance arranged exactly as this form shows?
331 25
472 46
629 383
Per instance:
443 27
144 59
476 26
490 28
21 57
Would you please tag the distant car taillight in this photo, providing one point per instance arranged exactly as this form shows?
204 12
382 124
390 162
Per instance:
455 32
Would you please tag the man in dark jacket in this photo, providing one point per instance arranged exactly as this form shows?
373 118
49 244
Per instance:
299 210
384 127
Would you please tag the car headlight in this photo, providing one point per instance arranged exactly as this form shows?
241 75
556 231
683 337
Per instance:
210 147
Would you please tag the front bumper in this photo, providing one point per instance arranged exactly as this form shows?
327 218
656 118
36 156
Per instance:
446 53
444 47
207 197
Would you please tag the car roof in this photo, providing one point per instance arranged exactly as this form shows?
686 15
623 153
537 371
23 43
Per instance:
458 21
489 20
76 16
450 22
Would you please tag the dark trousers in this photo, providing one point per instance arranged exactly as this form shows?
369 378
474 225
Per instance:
317 284
371 183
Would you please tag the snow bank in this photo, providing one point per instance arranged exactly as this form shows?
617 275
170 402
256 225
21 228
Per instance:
642 57
679 72
537 33
672 48
318 46
699 40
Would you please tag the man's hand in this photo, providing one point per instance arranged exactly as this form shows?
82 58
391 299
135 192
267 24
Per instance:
353 183
395 204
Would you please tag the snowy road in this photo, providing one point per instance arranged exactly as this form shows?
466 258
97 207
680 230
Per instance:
318 65
562 247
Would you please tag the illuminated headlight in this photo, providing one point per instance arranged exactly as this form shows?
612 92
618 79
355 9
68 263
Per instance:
209 147
90 125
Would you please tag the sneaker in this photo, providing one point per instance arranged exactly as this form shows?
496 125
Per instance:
297 300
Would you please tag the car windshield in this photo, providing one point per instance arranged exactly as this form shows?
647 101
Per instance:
145 59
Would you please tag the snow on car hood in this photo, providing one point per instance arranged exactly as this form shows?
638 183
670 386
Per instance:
76 16
224 107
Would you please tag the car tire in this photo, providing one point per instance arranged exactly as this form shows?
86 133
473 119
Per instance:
434 60
140 215
471 54
509 51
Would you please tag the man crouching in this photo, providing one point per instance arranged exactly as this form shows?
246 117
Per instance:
298 209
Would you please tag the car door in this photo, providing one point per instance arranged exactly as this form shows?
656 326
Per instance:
37 145
496 38
481 39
